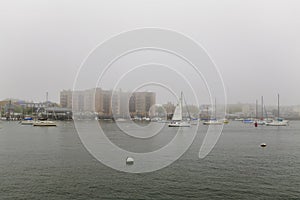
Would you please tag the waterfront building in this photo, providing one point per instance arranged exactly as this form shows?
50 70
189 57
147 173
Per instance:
82 101
107 103
141 102
66 99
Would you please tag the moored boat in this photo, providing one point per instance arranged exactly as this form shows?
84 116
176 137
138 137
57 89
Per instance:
213 122
279 121
27 121
239 119
177 120
179 124
44 123
248 121
260 122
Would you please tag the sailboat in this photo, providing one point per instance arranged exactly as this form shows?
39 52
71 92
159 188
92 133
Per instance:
260 121
214 121
27 121
43 121
279 121
177 120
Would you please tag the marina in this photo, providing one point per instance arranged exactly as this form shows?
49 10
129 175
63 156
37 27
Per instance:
149 100
54 164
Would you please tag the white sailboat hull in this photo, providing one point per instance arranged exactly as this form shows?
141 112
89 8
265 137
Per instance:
44 123
179 124
177 117
212 122
260 122
277 123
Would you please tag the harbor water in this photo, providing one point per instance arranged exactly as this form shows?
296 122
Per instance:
52 163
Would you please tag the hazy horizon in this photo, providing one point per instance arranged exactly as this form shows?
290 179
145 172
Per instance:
254 44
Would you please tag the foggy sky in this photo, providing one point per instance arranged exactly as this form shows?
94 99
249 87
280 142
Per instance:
255 44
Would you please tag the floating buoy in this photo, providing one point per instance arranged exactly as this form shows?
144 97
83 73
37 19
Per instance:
263 144
129 161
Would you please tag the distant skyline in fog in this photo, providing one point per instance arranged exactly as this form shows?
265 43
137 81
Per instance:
255 44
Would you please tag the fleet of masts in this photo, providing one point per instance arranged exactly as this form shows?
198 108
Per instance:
264 119
179 121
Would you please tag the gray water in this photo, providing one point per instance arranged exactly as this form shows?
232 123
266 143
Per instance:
51 163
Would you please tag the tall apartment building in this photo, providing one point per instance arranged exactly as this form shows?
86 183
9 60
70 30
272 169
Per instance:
83 101
66 98
141 102
108 103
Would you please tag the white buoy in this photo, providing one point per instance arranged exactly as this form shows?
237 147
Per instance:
129 161
263 144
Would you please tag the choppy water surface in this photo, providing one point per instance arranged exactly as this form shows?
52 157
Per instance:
51 163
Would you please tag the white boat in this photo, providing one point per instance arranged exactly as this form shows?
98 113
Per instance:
214 121
260 122
44 123
156 119
146 119
179 124
177 116
27 121
279 121
239 119
136 118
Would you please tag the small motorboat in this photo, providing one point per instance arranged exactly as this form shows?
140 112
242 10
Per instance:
27 121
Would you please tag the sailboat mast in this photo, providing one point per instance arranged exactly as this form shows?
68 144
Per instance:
186 106
262 107
181 94
256 109
278 105
215 108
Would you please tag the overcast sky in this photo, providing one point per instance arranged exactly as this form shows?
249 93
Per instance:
255 44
